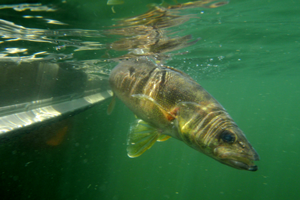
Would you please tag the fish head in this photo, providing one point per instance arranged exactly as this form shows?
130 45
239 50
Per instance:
214 133
231 147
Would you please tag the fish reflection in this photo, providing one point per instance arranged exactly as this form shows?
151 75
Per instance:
147 34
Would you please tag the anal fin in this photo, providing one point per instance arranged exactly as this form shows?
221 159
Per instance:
163 138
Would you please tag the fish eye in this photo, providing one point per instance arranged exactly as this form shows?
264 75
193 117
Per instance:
227 137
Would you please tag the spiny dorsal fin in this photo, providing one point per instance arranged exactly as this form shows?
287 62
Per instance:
141 137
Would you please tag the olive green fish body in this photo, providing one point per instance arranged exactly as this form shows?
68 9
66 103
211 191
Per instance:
174 104
165 86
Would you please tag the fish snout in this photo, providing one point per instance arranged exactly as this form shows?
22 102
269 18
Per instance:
244 161
253 168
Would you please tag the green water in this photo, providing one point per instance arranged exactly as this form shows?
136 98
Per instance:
247 58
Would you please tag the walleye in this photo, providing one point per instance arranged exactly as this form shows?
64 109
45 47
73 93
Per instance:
170 103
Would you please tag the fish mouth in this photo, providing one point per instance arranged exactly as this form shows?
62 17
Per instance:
245 162
240 161
242 165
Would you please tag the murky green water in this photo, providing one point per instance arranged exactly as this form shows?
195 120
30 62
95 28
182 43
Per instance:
247 58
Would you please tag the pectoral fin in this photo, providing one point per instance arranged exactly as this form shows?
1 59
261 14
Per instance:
141 137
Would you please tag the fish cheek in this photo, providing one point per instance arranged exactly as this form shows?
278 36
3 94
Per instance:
223 144
229 150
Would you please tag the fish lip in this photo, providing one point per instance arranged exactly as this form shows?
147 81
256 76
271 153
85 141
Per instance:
244 162
242 165
241 161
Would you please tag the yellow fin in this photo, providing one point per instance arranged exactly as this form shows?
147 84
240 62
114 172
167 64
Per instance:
163 138
141 137
112 104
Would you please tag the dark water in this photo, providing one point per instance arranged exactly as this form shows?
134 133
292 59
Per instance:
247 58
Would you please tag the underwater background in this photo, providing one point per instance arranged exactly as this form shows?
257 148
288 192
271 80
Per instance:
247 57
